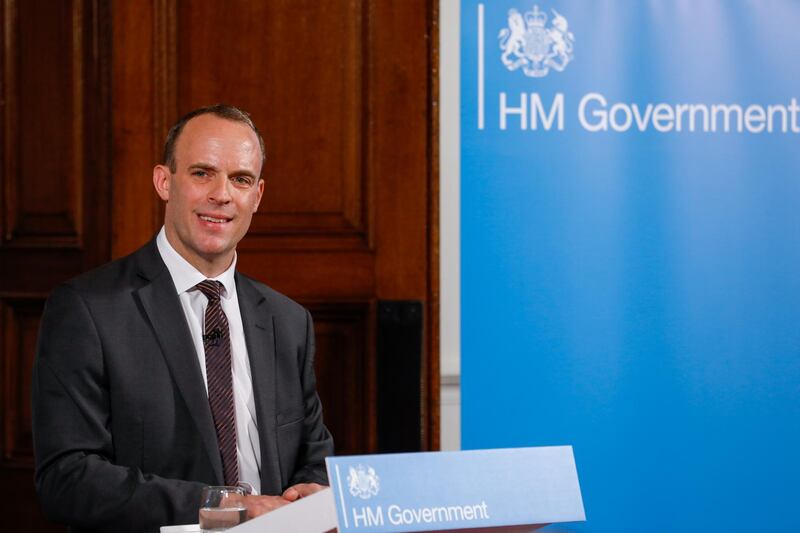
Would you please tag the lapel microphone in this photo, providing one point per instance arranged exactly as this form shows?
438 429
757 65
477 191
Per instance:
212 337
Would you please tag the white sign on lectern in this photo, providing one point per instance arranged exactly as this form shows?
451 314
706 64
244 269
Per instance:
477 489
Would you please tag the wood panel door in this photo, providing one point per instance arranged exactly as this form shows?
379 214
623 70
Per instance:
344 93
55 163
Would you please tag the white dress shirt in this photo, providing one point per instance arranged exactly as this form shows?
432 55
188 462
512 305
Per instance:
194 303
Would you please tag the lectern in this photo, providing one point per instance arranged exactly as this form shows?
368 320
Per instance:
509 490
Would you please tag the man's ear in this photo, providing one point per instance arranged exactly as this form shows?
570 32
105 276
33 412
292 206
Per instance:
161 181
260 194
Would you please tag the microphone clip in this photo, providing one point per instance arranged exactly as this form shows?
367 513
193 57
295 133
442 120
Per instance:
212 337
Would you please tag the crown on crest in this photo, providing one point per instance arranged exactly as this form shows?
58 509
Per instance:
535 17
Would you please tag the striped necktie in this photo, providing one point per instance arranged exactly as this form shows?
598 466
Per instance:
217 344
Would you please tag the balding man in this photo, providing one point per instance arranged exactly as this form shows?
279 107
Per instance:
167 370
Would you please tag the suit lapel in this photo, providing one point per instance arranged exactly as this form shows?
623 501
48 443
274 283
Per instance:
163 308
259 335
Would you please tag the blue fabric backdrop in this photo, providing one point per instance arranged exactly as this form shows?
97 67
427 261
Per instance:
635 291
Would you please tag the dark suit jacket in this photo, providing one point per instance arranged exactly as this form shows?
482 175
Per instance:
123 434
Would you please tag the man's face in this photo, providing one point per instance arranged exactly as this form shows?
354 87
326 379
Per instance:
214 191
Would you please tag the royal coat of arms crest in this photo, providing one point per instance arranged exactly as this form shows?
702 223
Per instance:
527 42
363 482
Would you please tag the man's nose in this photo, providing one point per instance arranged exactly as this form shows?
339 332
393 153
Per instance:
219 192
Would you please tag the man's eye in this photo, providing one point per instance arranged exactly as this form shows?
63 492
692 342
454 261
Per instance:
242 180
200 173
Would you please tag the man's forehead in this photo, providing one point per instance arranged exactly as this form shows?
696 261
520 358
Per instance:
209 136
210 126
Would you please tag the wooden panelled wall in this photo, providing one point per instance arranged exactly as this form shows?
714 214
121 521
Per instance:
344 92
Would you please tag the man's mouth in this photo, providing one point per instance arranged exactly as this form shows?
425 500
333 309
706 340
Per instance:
215 220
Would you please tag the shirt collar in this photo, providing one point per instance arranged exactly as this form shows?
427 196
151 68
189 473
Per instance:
184 275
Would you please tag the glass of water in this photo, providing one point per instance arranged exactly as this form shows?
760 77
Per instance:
222 508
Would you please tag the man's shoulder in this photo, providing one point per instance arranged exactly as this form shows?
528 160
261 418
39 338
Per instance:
120 275
275 300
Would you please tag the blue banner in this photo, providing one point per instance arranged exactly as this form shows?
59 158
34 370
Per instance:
630 252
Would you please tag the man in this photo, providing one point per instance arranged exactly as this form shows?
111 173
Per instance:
167 370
